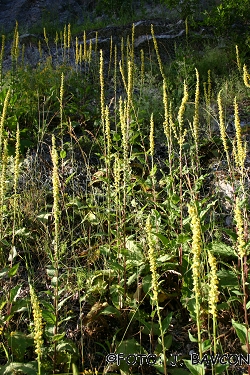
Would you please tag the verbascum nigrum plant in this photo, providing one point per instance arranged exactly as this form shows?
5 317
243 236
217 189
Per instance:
69 36
77 56
56 40
102 98
38 326
46 39
110 55
208 96
213 296
152 254
56 216
84 46
15 46
180 117
241 247
1 60
196 265
223 134
196 113
16 176
246 76
4 161
3 117
157 53
142 67
56 195
96 47
240 147
89 55
61 104
238 58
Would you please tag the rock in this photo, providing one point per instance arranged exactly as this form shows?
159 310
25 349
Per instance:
30 13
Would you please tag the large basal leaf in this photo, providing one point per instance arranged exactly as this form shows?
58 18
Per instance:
219 248
241 331
15 367
194 369
19 342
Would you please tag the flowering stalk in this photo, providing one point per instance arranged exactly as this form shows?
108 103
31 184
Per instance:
38 326
152 263
196 265
241 247
213 294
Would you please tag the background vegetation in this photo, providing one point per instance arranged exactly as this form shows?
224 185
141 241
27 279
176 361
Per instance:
124 201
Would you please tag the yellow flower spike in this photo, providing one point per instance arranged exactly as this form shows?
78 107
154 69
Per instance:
38 326
142 66
240 229
157 53
77 53
182 106
84 45
102 89
69 35
196 110
152 259
196 265
222 123
56 195
213 287
238 58
151 136
246 76
240 149
166 124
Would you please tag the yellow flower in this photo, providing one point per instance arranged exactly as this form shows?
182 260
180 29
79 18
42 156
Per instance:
213 290
38 323
240 229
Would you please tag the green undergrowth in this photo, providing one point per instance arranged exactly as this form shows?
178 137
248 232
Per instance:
124 210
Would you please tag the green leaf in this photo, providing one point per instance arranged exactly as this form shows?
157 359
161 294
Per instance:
241 331
20 305
44 217
14 293
63 154
15 367
219 248
227 278
59 336
13 270
49 317
163 239
127 347
194 369
61 303
111 310
54 281
248 305
67 346
191 337
4 271
206 345
166 322
164 258
18 343
178 371
51 271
